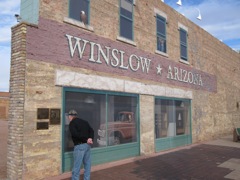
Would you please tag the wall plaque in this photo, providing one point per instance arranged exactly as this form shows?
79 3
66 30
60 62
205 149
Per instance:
42 125
55 116
42 113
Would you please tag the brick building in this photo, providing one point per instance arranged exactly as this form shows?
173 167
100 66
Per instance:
145 77
4 103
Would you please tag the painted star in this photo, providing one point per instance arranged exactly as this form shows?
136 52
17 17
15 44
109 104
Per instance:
159 69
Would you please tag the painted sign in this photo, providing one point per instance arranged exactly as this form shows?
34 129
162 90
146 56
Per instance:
116 58
66 45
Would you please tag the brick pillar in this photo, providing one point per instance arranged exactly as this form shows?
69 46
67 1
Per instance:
16 105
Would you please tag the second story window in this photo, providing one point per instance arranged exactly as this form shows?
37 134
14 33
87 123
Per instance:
79 10
161 34
126 19
183 44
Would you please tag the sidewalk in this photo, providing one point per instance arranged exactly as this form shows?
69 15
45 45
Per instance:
213 160
3 148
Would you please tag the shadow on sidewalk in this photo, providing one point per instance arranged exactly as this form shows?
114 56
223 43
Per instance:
208 160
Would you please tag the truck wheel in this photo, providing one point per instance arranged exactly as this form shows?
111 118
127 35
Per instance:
117 140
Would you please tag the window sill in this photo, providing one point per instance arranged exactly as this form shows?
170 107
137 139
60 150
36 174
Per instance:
126 41
78 24
161 53
184 61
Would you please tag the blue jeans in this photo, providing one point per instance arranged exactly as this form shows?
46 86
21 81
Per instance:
81 154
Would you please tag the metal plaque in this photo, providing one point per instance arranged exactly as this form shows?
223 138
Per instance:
42 125
42 113
55 116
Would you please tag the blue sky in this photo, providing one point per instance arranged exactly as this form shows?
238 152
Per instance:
221 18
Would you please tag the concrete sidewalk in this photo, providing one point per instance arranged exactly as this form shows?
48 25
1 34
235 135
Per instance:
213 160
3 149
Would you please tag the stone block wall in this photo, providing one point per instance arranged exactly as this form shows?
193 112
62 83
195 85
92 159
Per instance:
147 129
42 147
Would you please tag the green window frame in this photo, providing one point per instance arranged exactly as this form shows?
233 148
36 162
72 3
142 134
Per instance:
109 152
108 107
126 19
183 44
161 33
75 8
172 117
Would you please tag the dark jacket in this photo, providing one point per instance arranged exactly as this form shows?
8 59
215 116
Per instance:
80 131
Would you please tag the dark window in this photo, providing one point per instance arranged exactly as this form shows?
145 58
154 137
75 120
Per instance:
114 117
161 34
126 19
172 117
75 8
183 44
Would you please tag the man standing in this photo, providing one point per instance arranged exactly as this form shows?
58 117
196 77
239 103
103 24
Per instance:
82 136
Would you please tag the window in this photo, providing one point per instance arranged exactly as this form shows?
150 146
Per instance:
112 116
121 126
126 19
172 117
76 7
183 44
161 34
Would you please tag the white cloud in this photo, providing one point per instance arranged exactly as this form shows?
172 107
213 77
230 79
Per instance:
5 68
219 18
222 20
8 9
5 34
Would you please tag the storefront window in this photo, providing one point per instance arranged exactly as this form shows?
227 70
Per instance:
121 119
113 117
171 117
90 107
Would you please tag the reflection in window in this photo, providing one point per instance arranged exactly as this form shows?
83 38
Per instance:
161 34
121 125
113 117
90 107
126 19
76 7
171 117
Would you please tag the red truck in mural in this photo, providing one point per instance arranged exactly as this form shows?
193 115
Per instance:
121 130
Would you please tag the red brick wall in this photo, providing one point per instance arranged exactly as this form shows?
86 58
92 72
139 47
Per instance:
4 103
49 43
